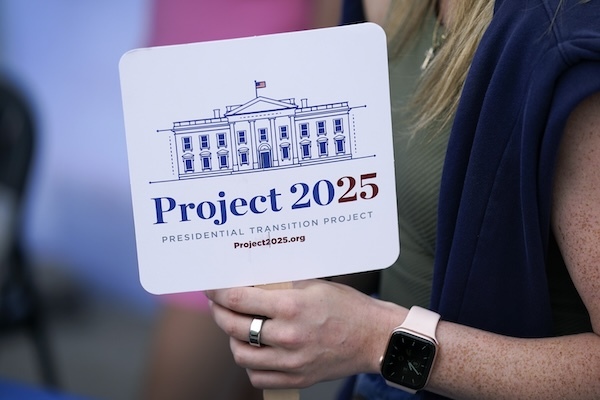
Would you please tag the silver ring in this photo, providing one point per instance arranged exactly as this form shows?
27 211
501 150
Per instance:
255 328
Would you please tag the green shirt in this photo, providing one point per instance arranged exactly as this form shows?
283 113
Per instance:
419 161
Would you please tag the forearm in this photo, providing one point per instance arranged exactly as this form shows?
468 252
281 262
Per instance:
321 331
473 364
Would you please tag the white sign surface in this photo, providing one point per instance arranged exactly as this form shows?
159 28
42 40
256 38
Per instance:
261 160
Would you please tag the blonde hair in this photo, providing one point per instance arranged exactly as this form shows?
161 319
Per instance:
436 98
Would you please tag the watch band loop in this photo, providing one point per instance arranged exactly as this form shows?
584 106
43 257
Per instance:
422 320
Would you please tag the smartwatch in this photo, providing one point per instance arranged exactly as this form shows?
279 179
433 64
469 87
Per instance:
411 351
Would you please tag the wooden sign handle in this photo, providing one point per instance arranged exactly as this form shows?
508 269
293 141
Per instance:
280 394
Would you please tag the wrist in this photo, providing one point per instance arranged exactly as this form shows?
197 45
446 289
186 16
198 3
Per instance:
388 317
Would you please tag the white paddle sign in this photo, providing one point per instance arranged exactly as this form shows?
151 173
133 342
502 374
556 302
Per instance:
261 160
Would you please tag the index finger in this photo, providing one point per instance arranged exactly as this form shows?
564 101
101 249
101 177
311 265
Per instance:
248 300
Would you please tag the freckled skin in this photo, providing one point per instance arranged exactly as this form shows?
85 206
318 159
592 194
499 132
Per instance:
576 215
476 364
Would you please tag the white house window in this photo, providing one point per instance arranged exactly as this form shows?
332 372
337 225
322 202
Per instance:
338 126
204 142
241 135
305 148
321 128
285 152
262 135
188 163
304 130
322 143
206 163
186 142
283 132
223 160
221 140
340 145
243 153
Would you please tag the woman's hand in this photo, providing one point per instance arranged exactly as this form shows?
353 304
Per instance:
316 331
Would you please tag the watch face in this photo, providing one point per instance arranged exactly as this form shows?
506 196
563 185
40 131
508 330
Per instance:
408 360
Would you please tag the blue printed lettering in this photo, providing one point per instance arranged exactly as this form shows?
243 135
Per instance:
215 211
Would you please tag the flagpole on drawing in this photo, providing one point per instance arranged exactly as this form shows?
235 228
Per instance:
259 85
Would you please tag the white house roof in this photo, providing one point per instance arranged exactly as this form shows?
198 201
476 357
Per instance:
260 104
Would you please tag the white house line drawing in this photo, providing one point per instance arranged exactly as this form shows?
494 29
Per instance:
262 134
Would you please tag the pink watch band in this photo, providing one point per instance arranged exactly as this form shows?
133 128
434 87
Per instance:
421 320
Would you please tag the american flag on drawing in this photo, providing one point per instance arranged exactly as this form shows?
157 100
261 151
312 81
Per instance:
260 84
